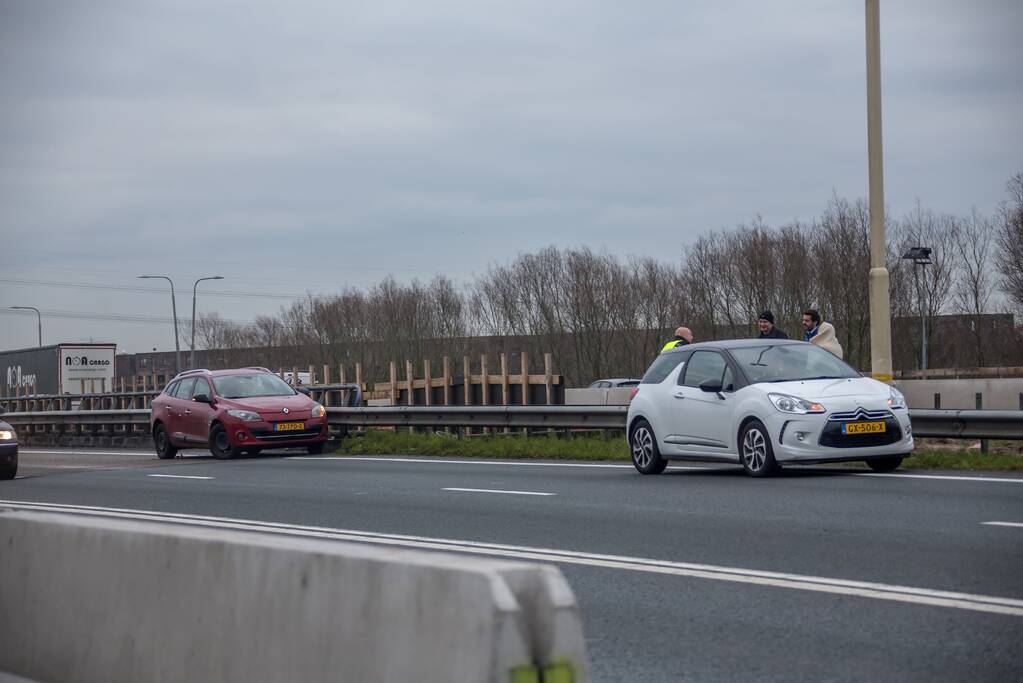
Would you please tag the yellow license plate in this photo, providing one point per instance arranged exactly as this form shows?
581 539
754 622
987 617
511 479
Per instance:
863 428
289 426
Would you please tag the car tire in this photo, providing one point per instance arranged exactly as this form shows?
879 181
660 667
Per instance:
220 444
646 456
315 448
10 471
165 450
755 450
885 464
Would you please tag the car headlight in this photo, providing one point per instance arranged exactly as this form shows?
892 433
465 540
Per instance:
319 411
7 435
793 404
246 415
896 400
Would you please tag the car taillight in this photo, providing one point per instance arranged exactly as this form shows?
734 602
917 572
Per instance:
633 394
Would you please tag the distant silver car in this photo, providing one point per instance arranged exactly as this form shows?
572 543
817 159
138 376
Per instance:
616 383
762 403
8 450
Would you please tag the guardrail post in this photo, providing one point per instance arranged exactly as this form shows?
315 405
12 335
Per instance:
980 406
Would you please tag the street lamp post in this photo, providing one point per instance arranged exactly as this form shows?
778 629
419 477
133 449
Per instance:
880 296
39 316
921 256
174 308
214 277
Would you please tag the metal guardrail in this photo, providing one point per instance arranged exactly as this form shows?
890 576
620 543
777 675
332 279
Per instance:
955 424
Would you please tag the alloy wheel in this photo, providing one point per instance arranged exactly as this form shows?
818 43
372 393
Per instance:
642 447
754 450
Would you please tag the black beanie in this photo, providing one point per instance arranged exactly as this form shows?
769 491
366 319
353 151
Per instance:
768 316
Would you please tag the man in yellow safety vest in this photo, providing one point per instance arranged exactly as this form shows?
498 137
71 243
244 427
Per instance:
683 336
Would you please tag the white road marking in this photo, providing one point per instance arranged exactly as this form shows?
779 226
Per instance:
68 451
1016 524
446 461
671 466
864 589
176 476
1000 480
518 493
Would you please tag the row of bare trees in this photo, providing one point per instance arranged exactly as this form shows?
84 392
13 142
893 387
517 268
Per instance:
602 315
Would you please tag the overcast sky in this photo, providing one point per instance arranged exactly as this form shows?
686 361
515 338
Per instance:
307 146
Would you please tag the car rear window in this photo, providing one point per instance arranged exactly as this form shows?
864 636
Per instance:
662 367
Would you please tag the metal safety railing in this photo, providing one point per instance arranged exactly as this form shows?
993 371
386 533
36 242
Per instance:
956 424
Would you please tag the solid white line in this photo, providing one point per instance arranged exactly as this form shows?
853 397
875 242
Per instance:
518 493
176 476
1000 480
1015 524
878 591
68 451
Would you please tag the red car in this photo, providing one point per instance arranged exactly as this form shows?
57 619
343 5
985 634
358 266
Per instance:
235 411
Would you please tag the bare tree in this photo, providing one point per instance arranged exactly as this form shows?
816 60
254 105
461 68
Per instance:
974 282
1009 235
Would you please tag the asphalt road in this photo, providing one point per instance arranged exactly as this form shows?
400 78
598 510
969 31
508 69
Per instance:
697 574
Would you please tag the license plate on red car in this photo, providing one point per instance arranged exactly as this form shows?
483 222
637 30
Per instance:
289 426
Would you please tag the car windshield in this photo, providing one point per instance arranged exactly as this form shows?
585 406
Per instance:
249 386
790 362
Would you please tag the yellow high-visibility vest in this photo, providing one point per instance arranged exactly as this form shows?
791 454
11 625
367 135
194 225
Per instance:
673 343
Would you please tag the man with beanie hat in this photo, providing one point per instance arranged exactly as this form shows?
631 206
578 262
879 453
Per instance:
767 329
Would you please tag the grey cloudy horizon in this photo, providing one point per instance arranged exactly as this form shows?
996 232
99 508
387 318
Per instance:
311 146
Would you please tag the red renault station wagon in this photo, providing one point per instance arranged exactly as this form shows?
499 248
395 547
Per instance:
235 411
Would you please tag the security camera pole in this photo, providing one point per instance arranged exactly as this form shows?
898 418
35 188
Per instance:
880 296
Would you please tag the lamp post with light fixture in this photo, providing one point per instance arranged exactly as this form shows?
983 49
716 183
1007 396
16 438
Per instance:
39 317
213 277
174 309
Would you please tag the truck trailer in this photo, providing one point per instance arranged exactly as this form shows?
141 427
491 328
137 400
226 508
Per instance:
59 369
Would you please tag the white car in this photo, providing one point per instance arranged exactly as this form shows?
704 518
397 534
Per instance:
763 403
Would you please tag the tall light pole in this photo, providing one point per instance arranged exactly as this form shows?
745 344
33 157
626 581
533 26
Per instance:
880 296
214 277
174 308
38 315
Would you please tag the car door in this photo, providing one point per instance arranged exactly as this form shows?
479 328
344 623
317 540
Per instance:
198 415
174 409
701 421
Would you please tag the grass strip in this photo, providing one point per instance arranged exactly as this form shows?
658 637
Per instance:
594 447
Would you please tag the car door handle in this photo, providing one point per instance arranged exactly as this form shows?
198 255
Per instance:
680 394
187 411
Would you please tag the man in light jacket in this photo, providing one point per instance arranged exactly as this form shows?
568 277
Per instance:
819 333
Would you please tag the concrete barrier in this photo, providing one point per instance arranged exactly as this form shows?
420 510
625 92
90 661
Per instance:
618 396
93 599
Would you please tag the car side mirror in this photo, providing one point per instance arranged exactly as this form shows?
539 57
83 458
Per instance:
202 398
711 386
302 390
2 410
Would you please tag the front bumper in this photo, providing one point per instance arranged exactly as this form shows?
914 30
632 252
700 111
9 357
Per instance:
816 438
8 453
263 435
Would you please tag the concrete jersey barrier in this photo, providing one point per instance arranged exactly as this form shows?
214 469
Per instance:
94 599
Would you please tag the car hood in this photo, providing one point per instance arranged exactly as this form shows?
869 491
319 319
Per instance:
820 389
272 404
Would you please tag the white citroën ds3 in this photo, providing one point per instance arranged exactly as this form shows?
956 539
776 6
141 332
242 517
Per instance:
763 404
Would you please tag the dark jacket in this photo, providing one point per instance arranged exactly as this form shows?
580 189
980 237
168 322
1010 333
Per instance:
775 333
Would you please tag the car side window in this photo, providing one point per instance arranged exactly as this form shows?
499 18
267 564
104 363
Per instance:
703 365
184 389
663 366
170 389
728 383
201 387
604 385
